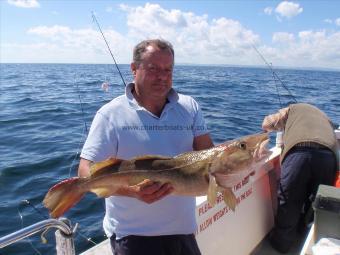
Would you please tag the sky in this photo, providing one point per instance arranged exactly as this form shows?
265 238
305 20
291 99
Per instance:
302 34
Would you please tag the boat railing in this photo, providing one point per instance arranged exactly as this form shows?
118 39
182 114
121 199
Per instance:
64 234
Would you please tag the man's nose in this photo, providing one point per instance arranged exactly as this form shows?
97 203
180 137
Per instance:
163 74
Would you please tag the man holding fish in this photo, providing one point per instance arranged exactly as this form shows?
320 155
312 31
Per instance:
144 219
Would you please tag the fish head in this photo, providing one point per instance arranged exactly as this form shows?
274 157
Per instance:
239 158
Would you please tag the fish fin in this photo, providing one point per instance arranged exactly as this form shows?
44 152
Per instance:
229 198
149 157
212 190
98 167
118 181
63 196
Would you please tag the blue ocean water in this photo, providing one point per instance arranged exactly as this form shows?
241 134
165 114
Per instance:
42 127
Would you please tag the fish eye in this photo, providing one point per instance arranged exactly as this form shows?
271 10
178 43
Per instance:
243 145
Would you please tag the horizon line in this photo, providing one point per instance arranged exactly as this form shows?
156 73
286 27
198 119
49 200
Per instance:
190 64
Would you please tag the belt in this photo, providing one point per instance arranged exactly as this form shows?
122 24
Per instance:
311 145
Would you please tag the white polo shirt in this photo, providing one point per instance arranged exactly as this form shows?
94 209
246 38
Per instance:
124 129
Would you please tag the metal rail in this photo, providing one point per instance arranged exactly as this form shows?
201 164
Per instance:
64 234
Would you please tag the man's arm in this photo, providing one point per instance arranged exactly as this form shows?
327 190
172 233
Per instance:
202 142
146 191
277 121
84 167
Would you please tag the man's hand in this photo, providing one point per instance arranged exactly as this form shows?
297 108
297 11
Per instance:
147 191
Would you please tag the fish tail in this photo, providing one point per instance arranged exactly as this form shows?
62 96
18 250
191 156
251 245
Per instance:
63 196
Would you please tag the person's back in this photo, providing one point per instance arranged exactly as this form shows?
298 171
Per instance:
307 124
308 159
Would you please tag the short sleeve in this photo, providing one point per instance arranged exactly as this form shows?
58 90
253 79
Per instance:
101 142
199 126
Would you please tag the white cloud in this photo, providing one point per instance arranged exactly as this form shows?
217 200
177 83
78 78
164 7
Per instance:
307 49
337 21
85 44
49 31
24 3
288 9
196 39
319 46
283 38
329 21
268 10
310 36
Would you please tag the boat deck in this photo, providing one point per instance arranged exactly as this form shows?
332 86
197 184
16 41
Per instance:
103 248
263 248
300 247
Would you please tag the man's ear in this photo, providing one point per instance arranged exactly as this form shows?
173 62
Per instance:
133 68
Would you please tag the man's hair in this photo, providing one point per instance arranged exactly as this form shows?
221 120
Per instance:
140 48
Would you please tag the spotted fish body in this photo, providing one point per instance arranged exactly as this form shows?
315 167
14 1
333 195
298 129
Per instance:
195 173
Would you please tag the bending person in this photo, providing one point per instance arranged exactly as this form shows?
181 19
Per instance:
308 159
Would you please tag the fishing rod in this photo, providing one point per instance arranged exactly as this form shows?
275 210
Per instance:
275 76
96 21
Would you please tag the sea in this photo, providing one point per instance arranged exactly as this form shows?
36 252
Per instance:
46 111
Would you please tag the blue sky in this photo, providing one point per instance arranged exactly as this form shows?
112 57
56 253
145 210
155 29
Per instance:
287 33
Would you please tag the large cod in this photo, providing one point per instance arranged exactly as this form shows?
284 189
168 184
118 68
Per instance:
195 173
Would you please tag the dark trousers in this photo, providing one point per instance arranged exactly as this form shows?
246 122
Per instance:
155 245
302 171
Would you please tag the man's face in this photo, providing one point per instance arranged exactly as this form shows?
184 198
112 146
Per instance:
153 76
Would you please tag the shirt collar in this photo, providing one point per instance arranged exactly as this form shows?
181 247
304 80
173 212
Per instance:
172 97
